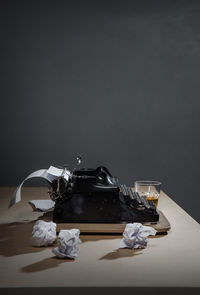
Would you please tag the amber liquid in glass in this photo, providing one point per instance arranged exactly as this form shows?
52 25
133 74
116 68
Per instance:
154 199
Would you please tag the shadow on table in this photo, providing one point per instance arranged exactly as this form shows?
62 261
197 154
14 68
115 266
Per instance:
52 262
47 263
125 252
15 239
121 253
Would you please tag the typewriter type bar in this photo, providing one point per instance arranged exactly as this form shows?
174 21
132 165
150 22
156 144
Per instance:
145 202
124 190
127 191
135 196
141 200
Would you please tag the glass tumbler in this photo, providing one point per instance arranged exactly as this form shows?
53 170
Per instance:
149 189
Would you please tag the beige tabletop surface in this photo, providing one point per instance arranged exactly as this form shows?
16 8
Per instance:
169 260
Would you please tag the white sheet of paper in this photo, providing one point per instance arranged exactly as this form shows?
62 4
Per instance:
42 205
55 171
48 174
59 172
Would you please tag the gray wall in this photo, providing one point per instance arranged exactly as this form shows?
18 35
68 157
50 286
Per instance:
117 82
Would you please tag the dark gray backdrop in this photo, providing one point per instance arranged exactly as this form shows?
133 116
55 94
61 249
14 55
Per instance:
115 81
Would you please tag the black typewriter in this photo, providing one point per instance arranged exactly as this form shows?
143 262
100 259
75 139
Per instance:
95 196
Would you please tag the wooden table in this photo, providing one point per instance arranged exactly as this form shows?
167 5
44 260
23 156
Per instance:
171 260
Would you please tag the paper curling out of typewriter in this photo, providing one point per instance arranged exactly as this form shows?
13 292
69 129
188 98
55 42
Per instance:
95 196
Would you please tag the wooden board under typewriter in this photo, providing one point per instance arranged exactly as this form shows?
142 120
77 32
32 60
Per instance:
162 226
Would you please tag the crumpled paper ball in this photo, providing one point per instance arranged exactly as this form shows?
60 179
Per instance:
135 236
43 234
67 244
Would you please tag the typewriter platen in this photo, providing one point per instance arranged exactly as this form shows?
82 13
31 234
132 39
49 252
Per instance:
95 196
